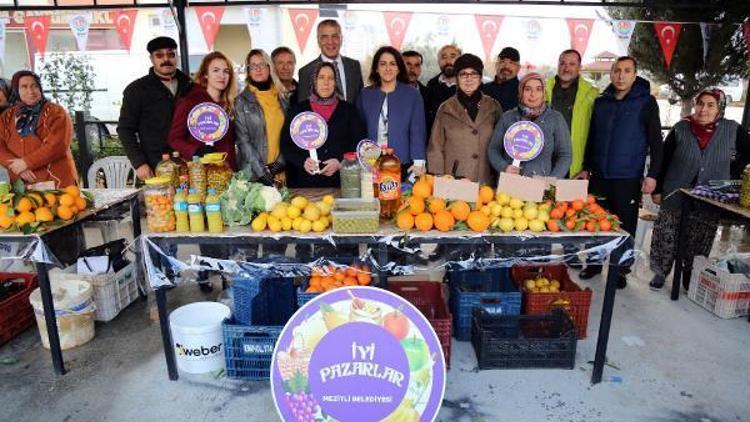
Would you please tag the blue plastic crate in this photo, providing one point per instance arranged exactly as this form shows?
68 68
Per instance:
473 288
260 300
248 350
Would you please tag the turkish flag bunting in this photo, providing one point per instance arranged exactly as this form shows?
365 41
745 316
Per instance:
489 27
397 23
37 30
209 18
302 22
580 31
125 22
668 33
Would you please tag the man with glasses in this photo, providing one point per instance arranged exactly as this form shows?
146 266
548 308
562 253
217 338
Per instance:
348 71
504 88
147 107
442 86
284 63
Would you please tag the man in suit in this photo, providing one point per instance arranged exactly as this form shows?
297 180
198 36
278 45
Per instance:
349 75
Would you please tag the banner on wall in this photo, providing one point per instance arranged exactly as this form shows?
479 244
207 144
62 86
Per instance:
668 34
261 24
488 27
79 25
580 32
397 23
125 22
303 21
209 17
623 30
168 22
37 30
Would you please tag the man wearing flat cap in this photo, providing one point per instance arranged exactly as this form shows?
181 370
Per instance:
504 88
147 107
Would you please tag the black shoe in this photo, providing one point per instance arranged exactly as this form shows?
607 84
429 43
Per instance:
206 287
622 281
589 272
657 282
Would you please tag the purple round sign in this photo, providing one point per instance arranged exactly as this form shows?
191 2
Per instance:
358 353
308 130
208 122
523 141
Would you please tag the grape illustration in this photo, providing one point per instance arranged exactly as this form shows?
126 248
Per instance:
304 406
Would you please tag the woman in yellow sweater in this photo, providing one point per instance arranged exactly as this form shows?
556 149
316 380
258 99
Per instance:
259 115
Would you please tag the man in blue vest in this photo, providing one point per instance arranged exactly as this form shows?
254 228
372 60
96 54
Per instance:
625 130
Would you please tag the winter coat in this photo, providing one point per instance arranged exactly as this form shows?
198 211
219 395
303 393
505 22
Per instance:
554 160
579 126
505 93
457 139
406 125
47 151
250 127
182 141
146 117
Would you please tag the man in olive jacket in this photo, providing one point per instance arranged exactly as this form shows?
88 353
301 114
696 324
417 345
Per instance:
147 107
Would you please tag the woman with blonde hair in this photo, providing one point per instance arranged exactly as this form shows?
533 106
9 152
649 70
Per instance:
214 83
259 113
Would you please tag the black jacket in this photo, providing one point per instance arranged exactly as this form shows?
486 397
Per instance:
505 93
436 93
345 130
146 116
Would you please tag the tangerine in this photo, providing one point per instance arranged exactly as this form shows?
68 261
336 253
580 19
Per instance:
81 203
64 212
5 221
416 205
404 221
364 279
350 281
478 221
44 215
50 198
73 191
24 205
423 221
25 217
67 199
435 205
460 210
486 194
444 221
422 189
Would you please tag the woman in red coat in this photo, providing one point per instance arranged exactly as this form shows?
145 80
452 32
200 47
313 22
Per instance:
214 83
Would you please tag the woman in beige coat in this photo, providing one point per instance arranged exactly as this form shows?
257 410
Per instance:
463 127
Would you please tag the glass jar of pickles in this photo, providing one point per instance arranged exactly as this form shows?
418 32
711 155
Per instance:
218 172
158 196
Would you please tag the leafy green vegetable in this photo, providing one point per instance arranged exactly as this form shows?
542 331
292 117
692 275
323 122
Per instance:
243 199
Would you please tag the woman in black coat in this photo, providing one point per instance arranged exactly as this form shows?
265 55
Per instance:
345 130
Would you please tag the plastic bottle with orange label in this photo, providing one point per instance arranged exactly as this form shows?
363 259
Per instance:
389 183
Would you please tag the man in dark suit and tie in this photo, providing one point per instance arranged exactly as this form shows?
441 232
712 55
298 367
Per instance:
349 75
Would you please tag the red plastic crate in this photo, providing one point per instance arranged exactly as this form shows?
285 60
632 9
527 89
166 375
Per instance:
572 298
16 313
428 297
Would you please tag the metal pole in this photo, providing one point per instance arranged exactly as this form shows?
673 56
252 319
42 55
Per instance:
180 5
608 306
50 318
84 153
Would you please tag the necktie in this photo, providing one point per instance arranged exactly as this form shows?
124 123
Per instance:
339 88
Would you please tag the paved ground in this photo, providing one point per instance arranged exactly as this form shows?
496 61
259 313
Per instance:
676 362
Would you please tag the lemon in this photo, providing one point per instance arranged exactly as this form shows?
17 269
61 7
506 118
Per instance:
515 203
259 223
530 284
521 224
328 199
502 198
293 212
312 212
299 202
326 220
324 207
507 212
543 215
279 211
517 213
318 226
486 210
305 226
296 223
530 213
537 225
496 209
286 223
506 224
274 224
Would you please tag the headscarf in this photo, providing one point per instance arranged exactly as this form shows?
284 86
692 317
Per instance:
704 132
323 106
527 112
27 116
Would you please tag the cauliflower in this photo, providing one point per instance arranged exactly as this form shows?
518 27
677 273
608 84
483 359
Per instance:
267 199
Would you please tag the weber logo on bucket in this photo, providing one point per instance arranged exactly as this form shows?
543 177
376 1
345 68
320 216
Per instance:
198 352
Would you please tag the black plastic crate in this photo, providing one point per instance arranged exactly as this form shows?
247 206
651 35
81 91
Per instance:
260 300
523 341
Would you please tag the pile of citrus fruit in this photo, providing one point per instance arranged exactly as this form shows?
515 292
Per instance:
30 209
300 214
328 277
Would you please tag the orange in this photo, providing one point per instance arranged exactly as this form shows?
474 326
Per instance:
553 226
577 205
24 205
423 221
74 209
339 276
460 210
25 217
605 225
80 203
67 199
73 191
486 194
5 221
478 221
444 221
416 205
314 289
404 221
3 209
315 281
50 198
352 271
422 189
436 204
350 281
43 215
364 279
318 271
64 212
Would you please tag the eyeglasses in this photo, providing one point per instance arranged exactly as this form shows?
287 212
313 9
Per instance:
469 75
257 67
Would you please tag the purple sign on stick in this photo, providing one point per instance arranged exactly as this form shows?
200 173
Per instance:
523 141
208 122
309 130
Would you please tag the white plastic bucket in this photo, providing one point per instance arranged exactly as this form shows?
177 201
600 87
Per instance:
197 336
74 308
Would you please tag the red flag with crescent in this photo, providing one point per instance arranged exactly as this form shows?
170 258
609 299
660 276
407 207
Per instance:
580 32
209 18
668 33
125 22
37 30
397 23
302 22
489 27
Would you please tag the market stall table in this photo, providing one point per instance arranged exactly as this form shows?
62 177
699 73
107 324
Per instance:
108 204
614 244
731 210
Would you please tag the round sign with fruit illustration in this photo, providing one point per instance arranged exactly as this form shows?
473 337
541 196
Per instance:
358 354
523 141
208 123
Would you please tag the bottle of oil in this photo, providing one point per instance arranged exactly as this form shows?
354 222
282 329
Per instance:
388 183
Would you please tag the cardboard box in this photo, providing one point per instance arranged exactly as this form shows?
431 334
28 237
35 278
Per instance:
522 187
455 189
570 190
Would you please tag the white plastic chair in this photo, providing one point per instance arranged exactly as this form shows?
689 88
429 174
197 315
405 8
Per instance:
117 170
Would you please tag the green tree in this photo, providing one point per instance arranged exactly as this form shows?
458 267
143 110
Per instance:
69 81
688 73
